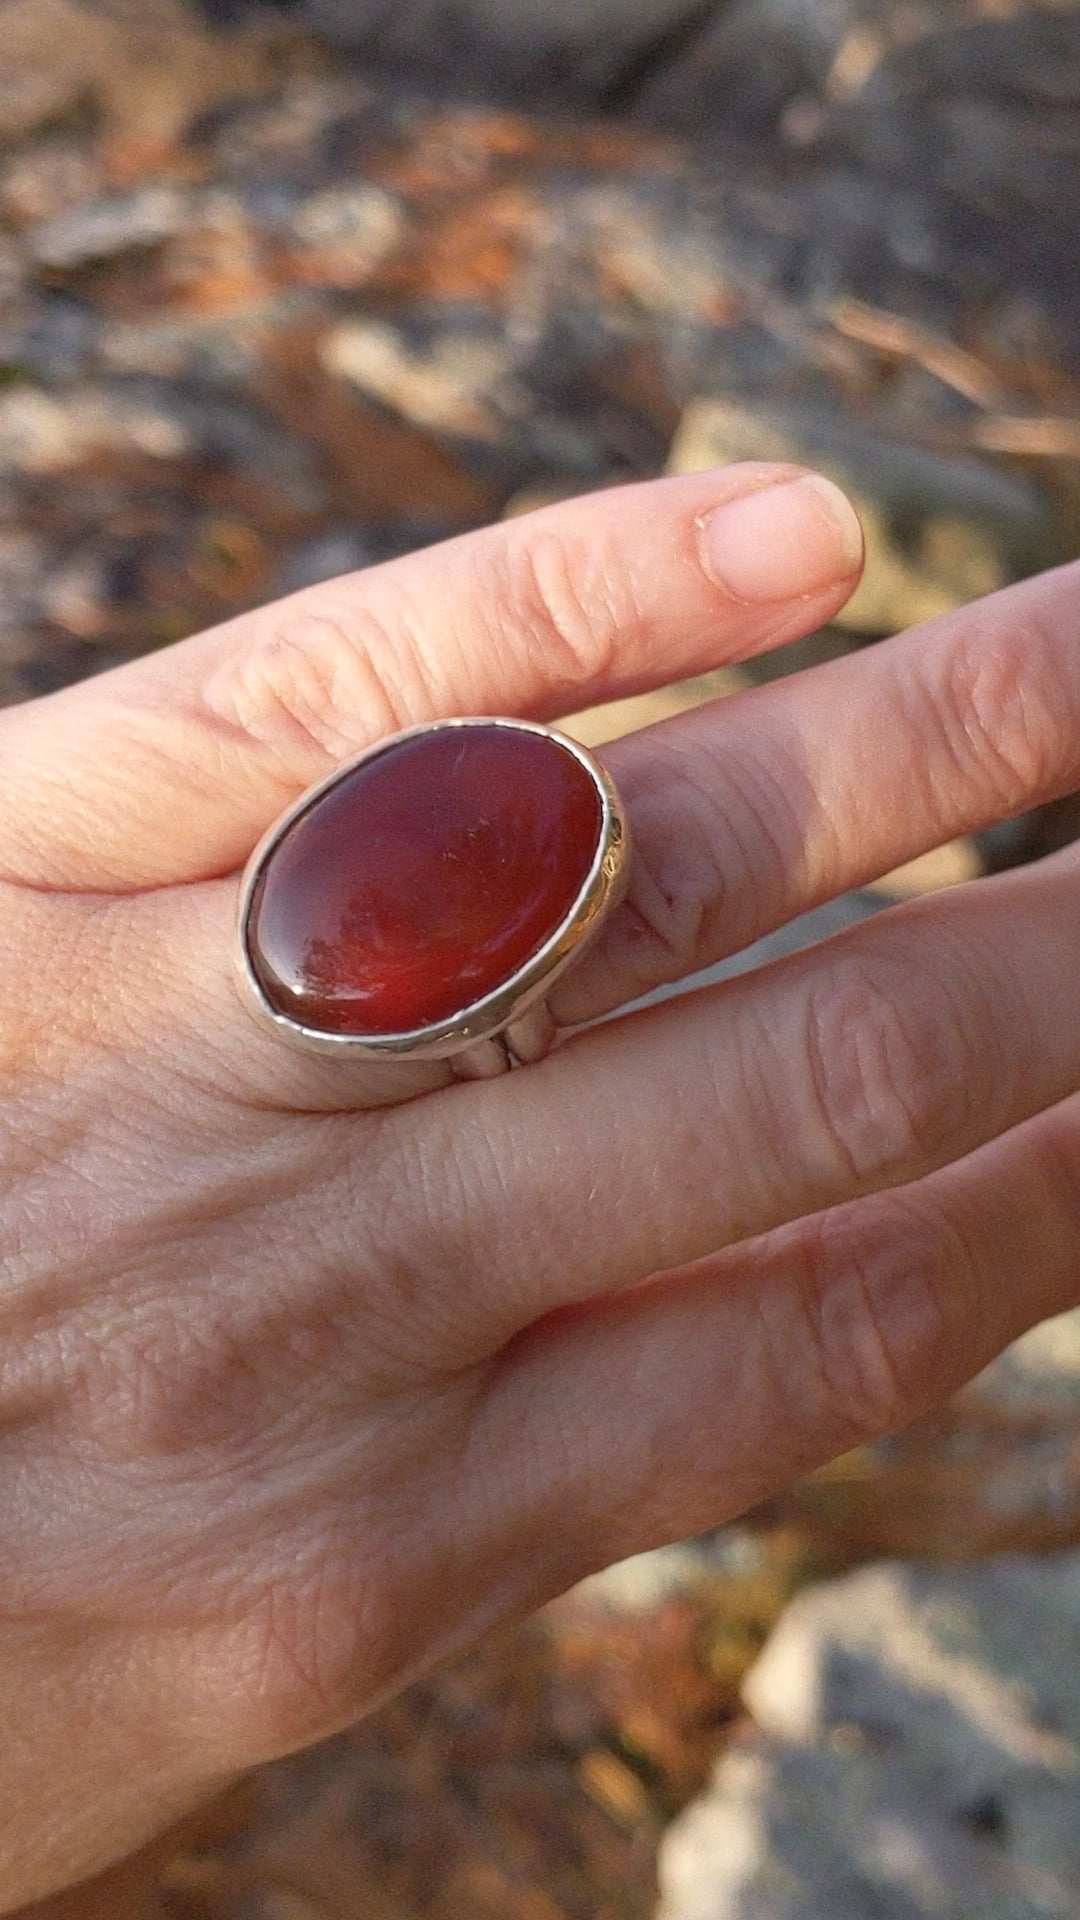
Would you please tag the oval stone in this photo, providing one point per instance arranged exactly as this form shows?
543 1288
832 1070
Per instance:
423 879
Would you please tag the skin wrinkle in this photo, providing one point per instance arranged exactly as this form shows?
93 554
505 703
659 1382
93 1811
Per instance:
224 1370
32 827
896 1073
752 1075
407 1542
884 1070
658 924
267 1515
774 817
71 1172
308 1653
155 754
566 602
396 1275
677 889
703 884
753 834
212 721
413 1244
871 1333
495 1250
550 1469
289 688
469 1164
876 1253
442 617
753 1454
990 723
34 1033
980 981
1009 722
528 1483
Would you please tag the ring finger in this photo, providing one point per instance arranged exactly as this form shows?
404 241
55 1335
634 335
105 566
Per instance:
855 1066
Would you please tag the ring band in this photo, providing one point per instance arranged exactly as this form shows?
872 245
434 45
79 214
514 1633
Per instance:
420 903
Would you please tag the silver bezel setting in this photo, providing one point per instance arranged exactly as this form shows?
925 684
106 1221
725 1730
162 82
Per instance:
483 1019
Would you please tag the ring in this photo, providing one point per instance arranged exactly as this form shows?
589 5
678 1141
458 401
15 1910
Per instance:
420 903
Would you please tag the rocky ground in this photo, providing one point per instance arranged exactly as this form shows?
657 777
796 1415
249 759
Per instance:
284 289
264 315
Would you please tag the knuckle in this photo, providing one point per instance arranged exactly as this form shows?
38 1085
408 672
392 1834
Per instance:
894 1072
659 932
1004 709
134 1387
885 1300
569 601
675 879
316 684
710 856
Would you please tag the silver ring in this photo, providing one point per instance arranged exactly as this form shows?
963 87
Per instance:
421 902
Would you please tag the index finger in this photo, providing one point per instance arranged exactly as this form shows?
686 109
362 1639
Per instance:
170 769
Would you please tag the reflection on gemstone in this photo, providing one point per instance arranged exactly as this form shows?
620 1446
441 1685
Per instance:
423 879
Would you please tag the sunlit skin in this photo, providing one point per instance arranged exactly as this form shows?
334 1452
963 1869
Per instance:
308 1377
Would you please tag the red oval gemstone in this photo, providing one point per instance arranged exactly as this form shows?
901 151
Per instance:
423 879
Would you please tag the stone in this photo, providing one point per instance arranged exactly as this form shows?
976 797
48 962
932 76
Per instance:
48 177
11 272
423 879
116 223
44 432
342 233
447 389
917 1754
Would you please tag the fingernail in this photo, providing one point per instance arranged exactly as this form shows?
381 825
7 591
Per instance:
784 542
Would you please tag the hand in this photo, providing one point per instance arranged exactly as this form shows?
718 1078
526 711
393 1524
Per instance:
296 1401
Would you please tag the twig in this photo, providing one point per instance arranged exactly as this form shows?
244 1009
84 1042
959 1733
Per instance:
891 333
1052 436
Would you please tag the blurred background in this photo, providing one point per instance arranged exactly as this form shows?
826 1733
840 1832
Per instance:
291 286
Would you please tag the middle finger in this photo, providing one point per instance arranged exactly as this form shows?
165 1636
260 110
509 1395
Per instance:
858 1065
755 809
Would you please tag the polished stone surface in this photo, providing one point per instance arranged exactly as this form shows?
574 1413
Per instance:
423 880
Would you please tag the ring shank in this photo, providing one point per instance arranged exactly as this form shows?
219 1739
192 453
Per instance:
522 1043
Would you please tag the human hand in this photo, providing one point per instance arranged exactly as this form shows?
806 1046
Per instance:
296 1401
